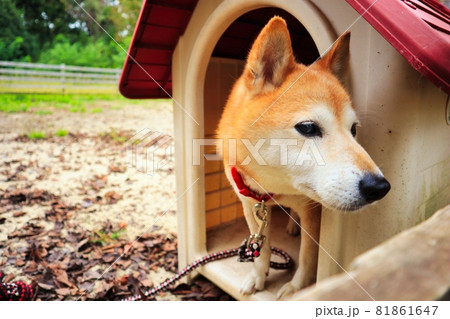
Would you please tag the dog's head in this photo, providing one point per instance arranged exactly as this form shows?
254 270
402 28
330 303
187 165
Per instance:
295 126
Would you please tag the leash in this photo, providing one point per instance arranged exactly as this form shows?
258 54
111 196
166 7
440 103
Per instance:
20 291
15 291
213 257
247 251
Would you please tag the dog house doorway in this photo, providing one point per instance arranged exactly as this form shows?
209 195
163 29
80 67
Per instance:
225 224
225 66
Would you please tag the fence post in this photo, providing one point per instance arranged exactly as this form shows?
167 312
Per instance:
63 78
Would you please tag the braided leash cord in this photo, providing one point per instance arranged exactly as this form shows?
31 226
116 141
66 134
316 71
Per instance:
15 291
208 258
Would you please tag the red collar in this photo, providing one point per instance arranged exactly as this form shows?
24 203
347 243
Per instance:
245 190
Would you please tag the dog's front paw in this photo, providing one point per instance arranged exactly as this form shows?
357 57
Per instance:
253 282
287 290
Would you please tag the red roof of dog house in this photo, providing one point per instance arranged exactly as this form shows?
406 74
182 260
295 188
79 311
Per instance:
147 69
418 29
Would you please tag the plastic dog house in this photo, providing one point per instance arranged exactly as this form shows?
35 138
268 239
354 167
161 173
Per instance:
400 73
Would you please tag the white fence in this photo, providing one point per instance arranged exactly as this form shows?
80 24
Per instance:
35 77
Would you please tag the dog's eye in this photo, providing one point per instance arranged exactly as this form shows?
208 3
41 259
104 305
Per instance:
353 129
308 129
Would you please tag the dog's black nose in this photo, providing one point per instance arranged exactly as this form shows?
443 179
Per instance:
373 187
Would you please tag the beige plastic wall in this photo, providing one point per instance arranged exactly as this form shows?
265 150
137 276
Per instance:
402 114
404 130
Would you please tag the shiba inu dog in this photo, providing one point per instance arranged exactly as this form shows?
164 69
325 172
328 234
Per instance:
279 112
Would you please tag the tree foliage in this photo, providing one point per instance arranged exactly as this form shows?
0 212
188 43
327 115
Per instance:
100 53
15 41
77 32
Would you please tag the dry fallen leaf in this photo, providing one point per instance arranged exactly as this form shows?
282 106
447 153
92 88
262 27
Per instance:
63 291
46 286
122 225
18 214
20 262
117 169
112 197
62 277
89 275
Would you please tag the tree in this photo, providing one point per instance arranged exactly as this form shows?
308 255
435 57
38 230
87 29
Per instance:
15 42
53 30
117 18
45 19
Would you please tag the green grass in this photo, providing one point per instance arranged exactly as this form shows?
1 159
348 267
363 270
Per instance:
76 109
8 106
43 104
43 112
103 237
96 110
114 136
37 135
61 133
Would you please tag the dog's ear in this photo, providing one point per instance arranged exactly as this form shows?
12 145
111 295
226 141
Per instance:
270 58
337 60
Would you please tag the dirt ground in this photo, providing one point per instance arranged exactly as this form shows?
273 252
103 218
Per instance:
69 201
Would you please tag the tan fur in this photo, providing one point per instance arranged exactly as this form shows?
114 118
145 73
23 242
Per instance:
273 94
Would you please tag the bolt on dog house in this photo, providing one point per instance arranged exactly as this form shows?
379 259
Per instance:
400 72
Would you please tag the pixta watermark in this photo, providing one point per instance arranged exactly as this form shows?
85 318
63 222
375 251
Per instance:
149 151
